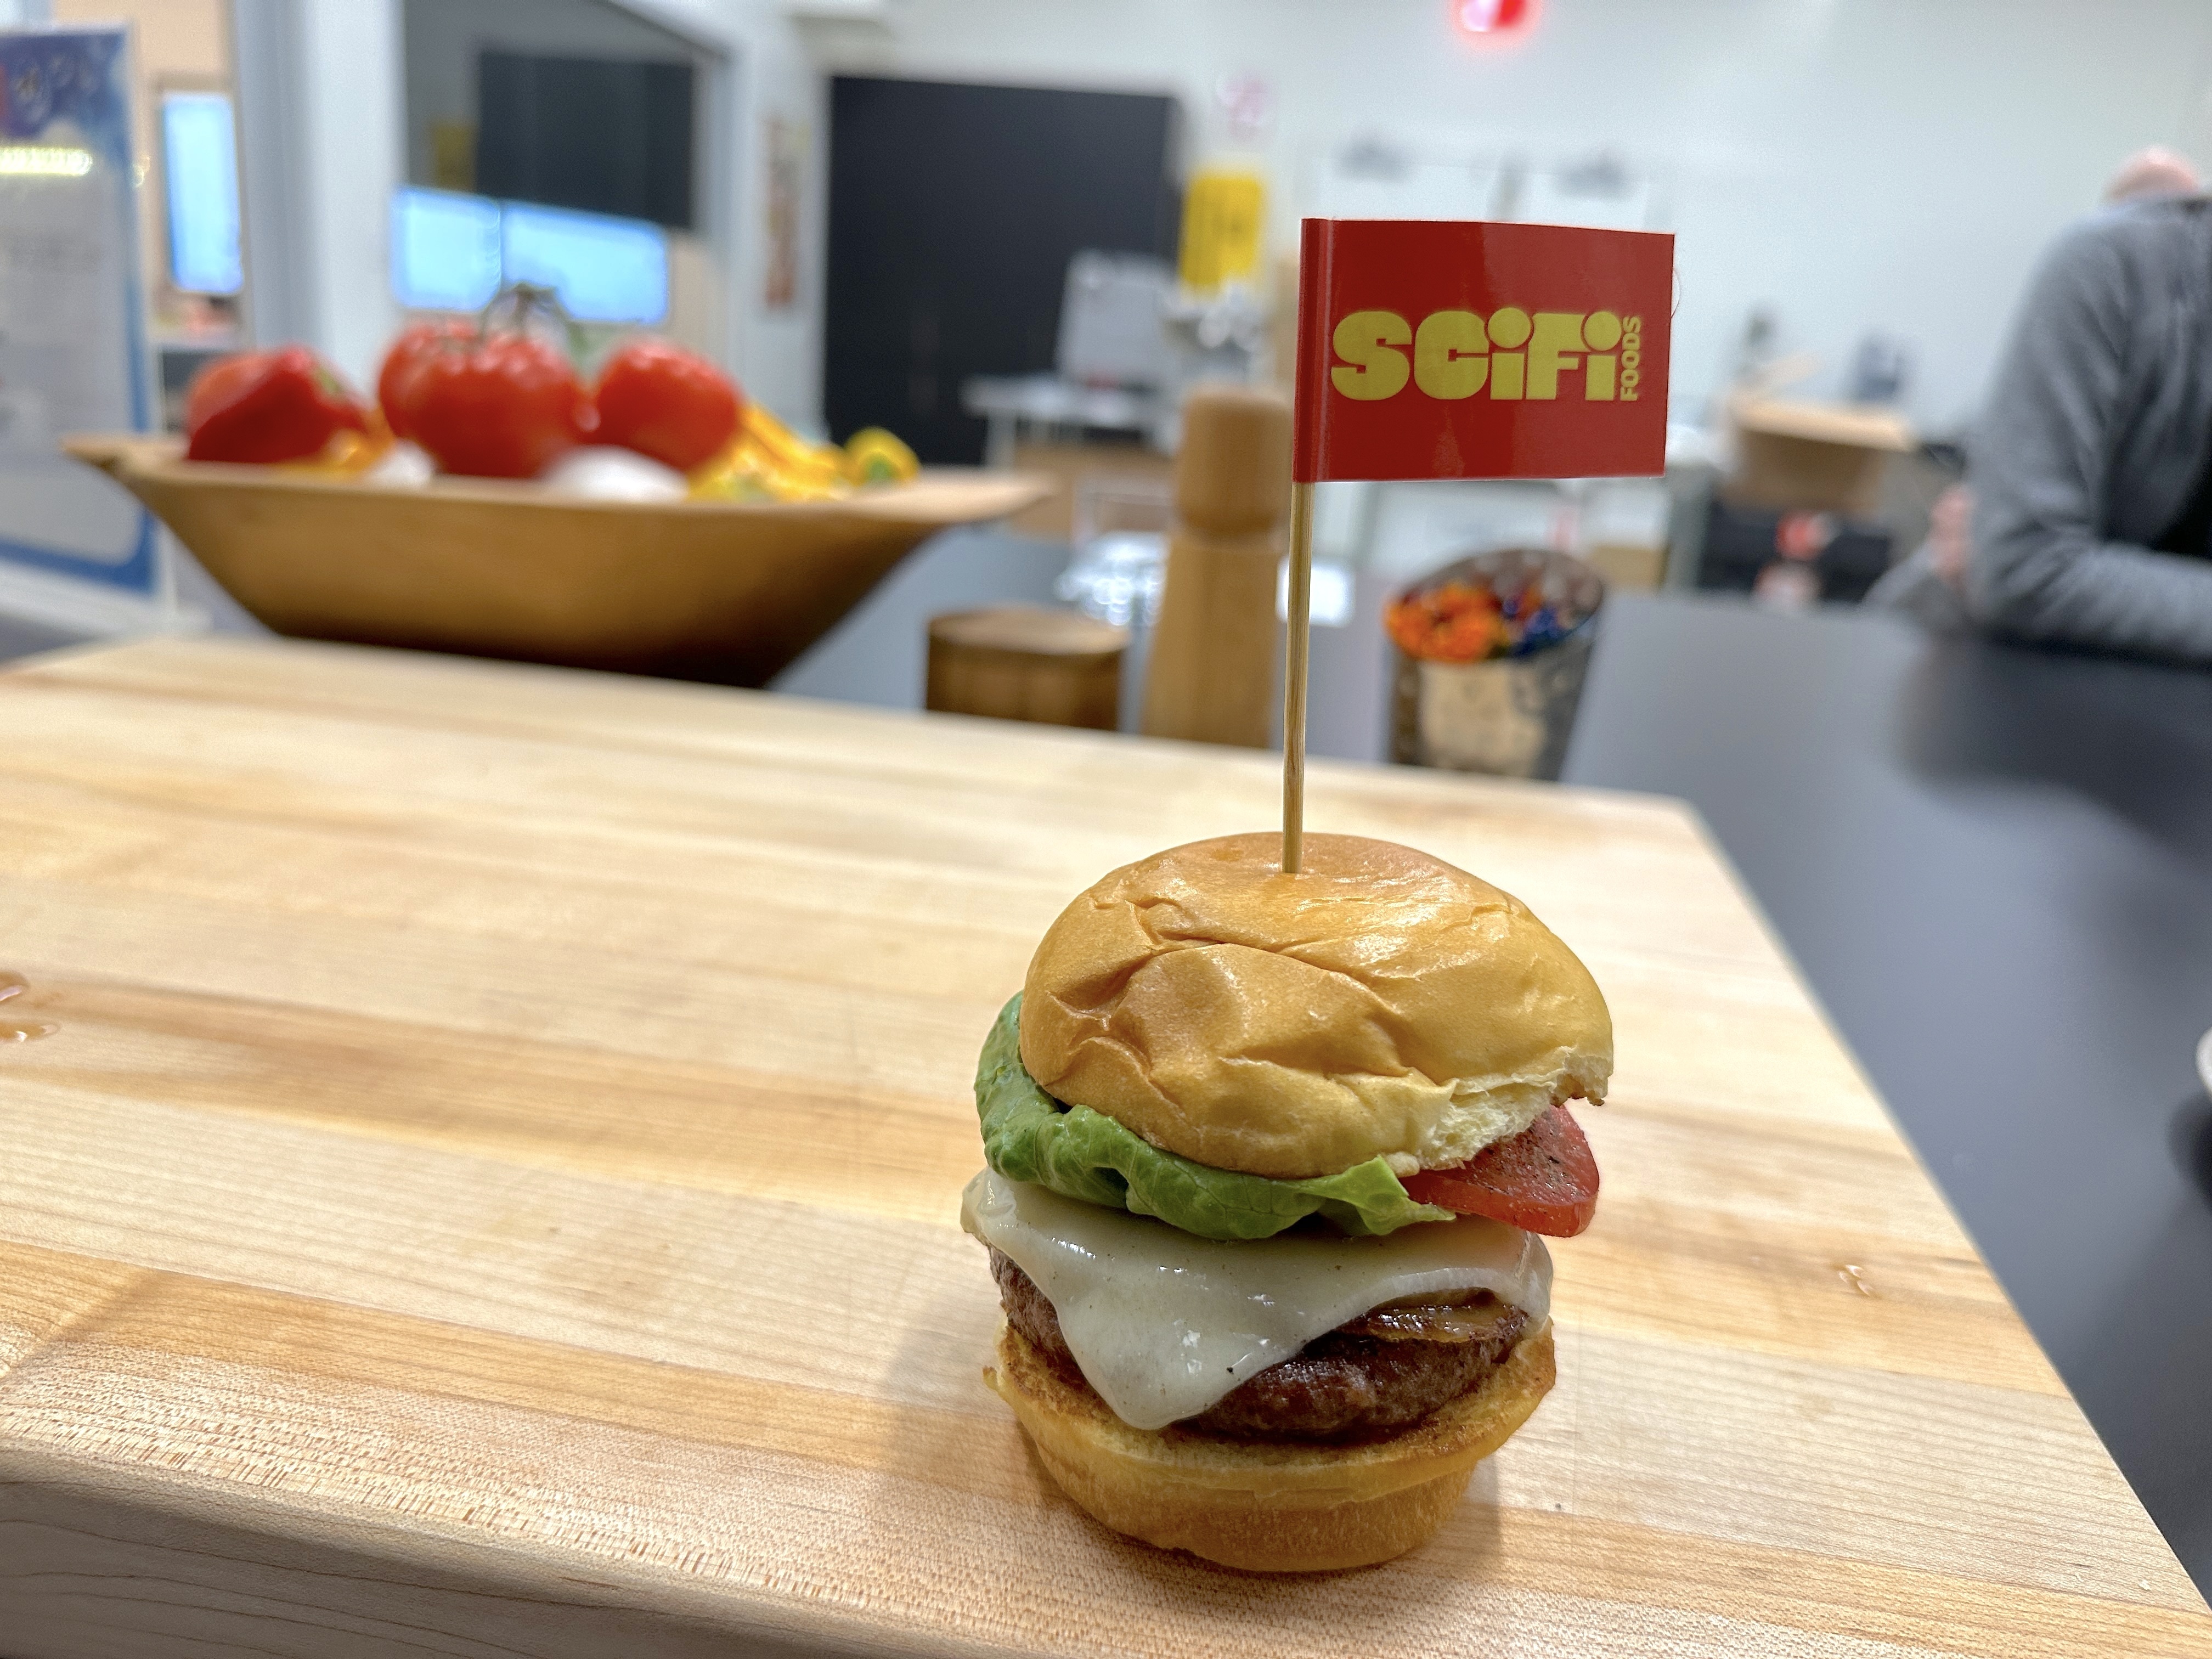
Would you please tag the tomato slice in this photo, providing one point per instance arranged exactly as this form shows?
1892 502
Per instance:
1541 1181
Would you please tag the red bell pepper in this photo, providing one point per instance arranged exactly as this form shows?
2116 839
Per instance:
265 406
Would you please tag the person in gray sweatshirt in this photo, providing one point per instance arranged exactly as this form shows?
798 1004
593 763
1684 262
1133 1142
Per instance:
2091 468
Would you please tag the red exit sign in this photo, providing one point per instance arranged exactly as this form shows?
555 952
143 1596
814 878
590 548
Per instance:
1491 20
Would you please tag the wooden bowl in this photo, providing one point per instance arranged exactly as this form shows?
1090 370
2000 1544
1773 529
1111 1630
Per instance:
728 592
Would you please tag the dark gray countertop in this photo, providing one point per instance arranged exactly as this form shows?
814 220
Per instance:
1993 865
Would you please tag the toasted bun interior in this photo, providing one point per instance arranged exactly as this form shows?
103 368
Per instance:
1380 1001
1267 1508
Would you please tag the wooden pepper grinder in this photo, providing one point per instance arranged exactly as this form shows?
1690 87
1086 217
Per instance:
1217 648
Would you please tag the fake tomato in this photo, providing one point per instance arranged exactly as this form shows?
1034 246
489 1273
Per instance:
663 402
499 406
394 394
267 406
1543 1180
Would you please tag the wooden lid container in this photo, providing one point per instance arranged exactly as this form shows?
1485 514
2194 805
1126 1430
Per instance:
1021 662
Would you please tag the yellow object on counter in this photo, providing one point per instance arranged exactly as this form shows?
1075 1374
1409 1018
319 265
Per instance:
1224 221
349 454
767 461
875 456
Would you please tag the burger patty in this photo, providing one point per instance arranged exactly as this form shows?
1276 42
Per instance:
1369 1377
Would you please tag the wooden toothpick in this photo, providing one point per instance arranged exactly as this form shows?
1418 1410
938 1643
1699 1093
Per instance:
1296 637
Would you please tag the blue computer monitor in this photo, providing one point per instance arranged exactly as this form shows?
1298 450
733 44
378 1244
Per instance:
445 250
199 162
605 270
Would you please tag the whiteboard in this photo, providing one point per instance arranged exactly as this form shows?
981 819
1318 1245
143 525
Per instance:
73 353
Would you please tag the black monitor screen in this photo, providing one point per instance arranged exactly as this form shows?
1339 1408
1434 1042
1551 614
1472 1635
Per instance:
604 136
954 210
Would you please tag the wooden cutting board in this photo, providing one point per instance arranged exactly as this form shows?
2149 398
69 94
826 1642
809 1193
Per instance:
492 1193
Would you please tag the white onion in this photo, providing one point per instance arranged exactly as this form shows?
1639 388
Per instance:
601 472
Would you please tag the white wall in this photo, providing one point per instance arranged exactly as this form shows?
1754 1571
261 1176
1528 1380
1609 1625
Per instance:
776 354
353 140
318 92
1856 164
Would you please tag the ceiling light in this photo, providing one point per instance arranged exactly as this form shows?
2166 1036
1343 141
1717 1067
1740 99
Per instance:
44 161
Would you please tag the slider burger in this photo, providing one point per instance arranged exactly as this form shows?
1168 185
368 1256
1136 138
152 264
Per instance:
1268 1156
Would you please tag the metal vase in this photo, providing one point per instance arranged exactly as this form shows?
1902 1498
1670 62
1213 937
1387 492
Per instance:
1511 716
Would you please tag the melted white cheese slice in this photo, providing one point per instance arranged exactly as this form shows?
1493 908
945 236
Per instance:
1164 1323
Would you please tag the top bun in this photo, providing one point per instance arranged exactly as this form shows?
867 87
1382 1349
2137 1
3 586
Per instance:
1379 1002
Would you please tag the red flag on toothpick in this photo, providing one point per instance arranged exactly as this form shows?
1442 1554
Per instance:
1448 349
1437 348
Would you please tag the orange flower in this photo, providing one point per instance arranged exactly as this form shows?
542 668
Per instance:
1456 622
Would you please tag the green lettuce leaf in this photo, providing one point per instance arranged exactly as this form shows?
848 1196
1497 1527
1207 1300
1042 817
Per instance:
1082 1154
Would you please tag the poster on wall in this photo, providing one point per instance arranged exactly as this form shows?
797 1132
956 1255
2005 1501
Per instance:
73 353
786 170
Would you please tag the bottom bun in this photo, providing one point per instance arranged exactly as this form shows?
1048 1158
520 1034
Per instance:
1268 1507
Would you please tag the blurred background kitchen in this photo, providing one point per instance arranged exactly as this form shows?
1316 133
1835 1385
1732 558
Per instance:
1019 232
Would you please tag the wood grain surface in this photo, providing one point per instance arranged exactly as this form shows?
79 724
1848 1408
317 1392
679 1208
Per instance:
492 1193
